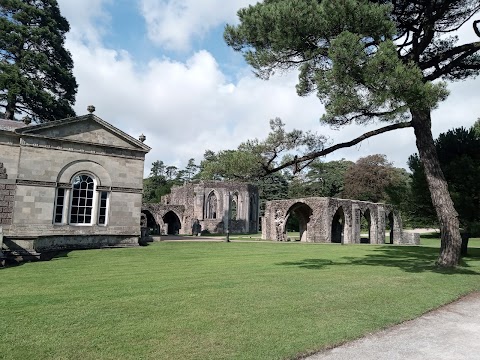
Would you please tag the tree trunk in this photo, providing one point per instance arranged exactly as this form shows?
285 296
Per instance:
10 108
442 202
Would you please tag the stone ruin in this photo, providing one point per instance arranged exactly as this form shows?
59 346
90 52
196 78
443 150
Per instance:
331 220
203 207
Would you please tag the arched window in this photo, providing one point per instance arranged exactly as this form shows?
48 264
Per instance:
212 206
81 209
82 203
234 207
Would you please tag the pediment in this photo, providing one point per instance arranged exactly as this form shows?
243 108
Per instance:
87 129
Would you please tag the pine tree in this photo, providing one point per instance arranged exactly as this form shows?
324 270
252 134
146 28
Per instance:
370 61
35 68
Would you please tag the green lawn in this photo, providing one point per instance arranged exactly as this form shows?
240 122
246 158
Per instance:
185 300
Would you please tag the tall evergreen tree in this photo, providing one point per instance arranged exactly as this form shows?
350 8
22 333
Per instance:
369 61
35 68
459 154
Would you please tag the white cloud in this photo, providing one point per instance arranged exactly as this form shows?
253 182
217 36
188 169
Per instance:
183 108
88 19
173 24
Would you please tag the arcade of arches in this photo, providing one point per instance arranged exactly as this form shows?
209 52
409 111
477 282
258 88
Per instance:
331 220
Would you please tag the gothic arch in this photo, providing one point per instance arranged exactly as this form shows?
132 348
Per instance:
151 222
338 226
367 217
393 226
172 222
234 206
212 206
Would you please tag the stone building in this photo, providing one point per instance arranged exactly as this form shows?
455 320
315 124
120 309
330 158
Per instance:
72 183
331 220
203 206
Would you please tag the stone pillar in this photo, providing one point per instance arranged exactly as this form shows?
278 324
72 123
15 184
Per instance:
380 213
397 229
373 226
264 228
356 223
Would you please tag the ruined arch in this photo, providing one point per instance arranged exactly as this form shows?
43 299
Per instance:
338 226
172 223
152 223
302 212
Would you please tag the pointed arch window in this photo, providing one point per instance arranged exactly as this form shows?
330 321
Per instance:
212 205
234 207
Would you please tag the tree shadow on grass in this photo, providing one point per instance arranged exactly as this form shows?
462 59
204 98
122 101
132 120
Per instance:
412 259
18 260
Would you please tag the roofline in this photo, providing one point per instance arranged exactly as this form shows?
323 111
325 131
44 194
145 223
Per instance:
27 129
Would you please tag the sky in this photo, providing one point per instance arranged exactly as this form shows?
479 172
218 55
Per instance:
162 68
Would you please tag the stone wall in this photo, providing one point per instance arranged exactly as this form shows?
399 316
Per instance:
7 201
43 164
3 172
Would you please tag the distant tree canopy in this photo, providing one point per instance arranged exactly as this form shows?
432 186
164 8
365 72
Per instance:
320 179
373 178
35 68
162 177
253 159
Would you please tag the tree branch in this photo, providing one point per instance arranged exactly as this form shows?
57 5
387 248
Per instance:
331 149
449 53
475 27
439 72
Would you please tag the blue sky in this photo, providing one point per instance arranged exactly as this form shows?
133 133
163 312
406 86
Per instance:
161 67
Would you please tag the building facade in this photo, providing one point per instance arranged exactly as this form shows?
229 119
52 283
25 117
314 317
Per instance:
69 184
